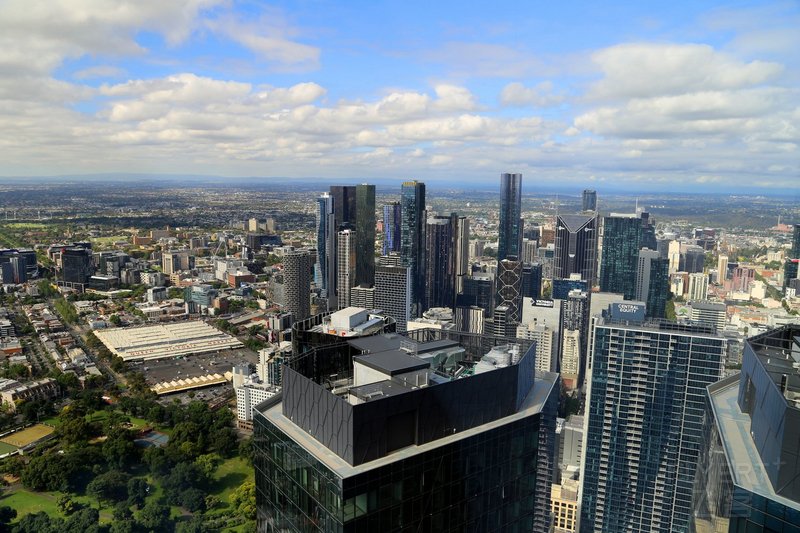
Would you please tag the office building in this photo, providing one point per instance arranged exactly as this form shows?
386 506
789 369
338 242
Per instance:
439 277
652 282
648 232
509 288
363 297
175 261
674 256
469 319
748 474
622 235
365 235
478 291
345 266
544 337
344 206
710 314
742 278
698 286
575 247
297 268
76 265
326 237
529 248
790 272
198 298
412 240
461 265
795 250
589 200
510 229
693 259
532 280
574 333
645 421
562 287
722 269
391 228
383 443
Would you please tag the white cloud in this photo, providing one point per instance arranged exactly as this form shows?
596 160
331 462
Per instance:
99 71
643 70
516 94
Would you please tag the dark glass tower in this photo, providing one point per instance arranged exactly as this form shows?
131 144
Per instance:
344 205
510 230
439 278
652 282
645 421
748 475
622 236
365 235
589 200
576 247
325 240
412 238
391 228
334 453
796 242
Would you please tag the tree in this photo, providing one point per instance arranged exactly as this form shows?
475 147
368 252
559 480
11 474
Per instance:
84 521
155 517
193 499
195 525
137 491
67 505
48 473
112 486
73 429
7 515
243 499
207 464
122 512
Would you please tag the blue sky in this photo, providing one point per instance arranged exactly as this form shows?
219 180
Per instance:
690 96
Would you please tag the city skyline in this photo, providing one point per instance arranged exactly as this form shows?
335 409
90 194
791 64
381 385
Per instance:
635 97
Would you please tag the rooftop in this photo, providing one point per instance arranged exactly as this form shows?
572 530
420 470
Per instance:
741 452
392 362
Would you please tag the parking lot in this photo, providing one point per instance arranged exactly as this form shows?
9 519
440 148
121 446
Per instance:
194 365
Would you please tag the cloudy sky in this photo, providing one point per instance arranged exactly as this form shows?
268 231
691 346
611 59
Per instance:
689 96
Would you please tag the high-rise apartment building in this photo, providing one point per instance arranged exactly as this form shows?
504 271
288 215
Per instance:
574 331
710 314
622 235
345 266
439 276
297 268
645 421
391 228
589 200
722 269
748 473
698 286
576 247
652 282
393 293
365 235
510 230
412 238
365 437
693 259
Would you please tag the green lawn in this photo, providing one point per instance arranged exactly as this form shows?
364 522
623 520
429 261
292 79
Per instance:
229 475
27 502
6 448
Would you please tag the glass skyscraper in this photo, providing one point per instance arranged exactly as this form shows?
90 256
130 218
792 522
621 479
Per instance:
575 247
589 200
364 438
622 237
412 239
645 421
439 263
365 235
748 476
391 228
325 240
510 230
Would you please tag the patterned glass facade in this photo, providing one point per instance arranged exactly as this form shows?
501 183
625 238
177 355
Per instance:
412 239
510 231
622 236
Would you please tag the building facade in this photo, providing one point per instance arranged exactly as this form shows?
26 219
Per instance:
297 267
412 238
510 229
622 235
645 421
576 247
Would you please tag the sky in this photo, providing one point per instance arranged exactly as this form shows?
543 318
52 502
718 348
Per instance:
684 96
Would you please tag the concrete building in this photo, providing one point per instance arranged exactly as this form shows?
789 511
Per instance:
393 293
710 314
698 286
297 268
13 392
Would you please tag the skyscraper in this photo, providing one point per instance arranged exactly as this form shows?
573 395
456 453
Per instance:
393 293
652 282
748 475
325 240
532 280
407 450
589 200
297 266
576 247
439 273
510 230
509 289
345 266
574 325
365 235
344 205
795 252
645 421
412 239
391 228
460 251
622 235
